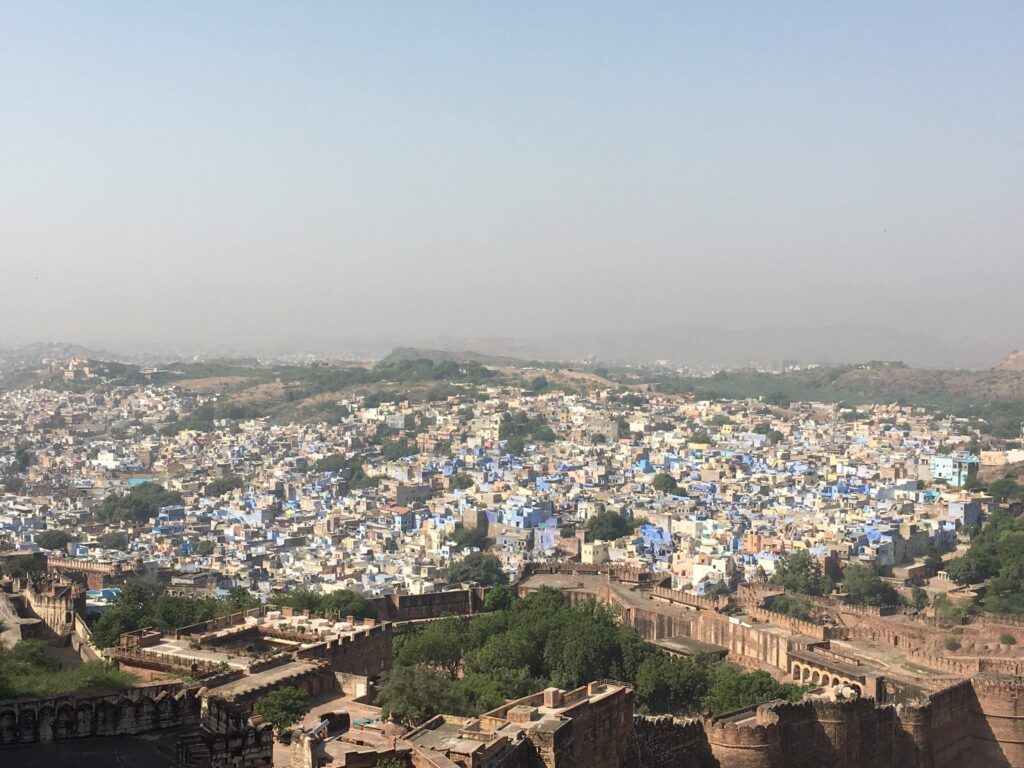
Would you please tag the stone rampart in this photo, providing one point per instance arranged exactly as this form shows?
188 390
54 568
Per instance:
366 652
959 666
55 604
683 598
81 641
132 711
796 626
668 742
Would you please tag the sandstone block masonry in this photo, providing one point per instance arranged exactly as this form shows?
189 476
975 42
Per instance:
974 724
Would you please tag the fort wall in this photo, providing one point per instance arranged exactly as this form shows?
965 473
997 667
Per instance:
668 742
132 711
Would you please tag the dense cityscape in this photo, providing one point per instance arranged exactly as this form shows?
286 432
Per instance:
157 531
511 385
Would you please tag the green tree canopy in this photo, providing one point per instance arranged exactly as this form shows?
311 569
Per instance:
672 684
53 539
140 504
933 561
519 425
478 567
499 598
30 669
471 537
282 707
865 587
919 598
461 481
223 485
203 548
141 603
797 606
114 540
1006 489
732 689
800 571
607 526
414 694
337 604
665 483
465 666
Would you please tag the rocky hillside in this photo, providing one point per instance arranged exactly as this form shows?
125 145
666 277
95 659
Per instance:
1012 362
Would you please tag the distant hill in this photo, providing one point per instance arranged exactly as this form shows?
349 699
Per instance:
1012 362
995 396
399 354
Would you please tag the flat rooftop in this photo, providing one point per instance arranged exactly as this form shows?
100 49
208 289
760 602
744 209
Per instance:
687 646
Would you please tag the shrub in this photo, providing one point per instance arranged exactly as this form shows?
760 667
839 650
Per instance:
1007 639
951 644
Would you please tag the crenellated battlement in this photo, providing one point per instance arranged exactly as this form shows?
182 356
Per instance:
797 626
695 601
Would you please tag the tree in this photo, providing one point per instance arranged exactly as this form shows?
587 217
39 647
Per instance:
461 481
801 572
478 567
499 598
392 450
203 548
518 425
933 561
797 606
470 538
665 483
919 598
607 526
701 437
865 587
19 567
240 599
668 685
282 707
130 610
439 645
333 463
1006 488
23 458
223 485
53 539
344 602
717 590
302 600
733 689
140 504
414 694
964 570
141 603
114 540
30 670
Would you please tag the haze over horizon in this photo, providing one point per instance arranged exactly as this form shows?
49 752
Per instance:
252 175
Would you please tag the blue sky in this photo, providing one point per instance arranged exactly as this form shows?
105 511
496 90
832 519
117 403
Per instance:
507 169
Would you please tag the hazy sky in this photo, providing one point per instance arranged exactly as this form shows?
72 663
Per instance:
251 172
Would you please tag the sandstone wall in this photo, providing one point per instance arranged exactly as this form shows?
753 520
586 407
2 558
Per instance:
133 711
668 742
749 645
